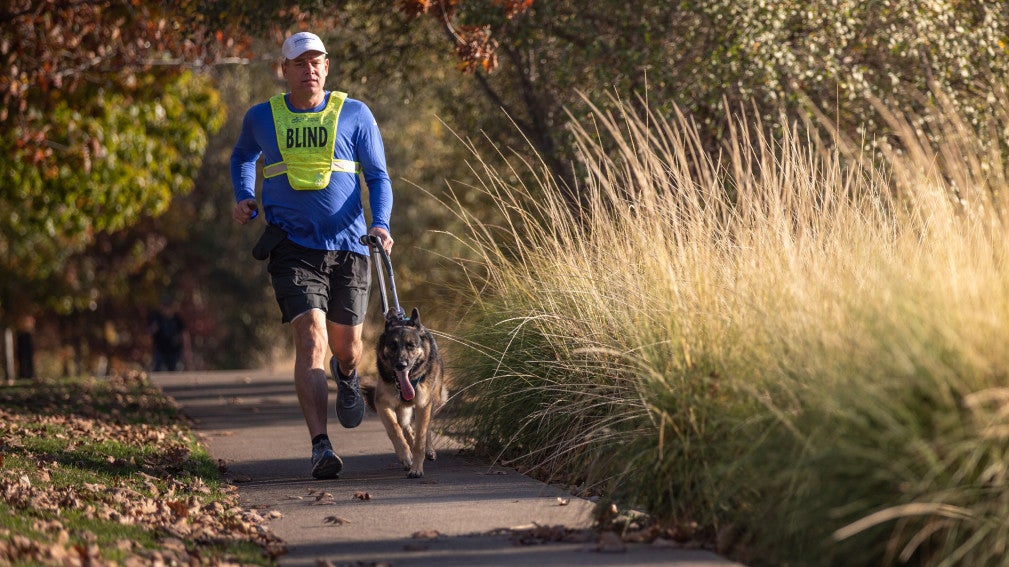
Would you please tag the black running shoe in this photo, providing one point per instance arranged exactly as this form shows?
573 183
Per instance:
325 463
349 402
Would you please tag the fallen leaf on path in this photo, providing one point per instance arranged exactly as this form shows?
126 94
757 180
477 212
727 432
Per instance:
536 534
563 501
335 520
12 442
181 509
323 499
173 544
646 535
426 534
362 495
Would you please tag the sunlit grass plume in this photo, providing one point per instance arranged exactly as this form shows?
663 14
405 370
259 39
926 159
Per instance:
795 345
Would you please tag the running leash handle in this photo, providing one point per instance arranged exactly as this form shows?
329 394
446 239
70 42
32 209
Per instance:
382 259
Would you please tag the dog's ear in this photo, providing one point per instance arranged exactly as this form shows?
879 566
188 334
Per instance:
391 316
415 317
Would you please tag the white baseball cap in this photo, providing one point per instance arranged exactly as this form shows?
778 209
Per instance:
301 42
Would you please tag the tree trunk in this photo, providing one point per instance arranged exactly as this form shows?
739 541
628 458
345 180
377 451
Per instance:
9 355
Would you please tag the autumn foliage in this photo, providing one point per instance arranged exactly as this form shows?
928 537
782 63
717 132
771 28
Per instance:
471 26
58 50
104 116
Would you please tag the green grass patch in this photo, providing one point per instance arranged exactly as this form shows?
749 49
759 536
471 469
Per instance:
106 470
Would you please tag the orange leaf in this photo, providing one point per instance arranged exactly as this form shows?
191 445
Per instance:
180 508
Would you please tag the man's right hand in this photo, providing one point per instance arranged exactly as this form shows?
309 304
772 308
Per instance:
383 236
244 210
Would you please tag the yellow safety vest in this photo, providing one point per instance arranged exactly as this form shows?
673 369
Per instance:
306 141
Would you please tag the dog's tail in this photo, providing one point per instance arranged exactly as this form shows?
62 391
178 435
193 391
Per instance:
368 392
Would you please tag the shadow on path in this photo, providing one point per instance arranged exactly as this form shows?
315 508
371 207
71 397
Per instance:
459 513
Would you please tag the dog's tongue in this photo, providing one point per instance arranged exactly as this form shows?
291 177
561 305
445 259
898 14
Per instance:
405 387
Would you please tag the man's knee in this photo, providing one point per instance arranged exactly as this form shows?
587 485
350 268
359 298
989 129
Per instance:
346 343
348 353
310 331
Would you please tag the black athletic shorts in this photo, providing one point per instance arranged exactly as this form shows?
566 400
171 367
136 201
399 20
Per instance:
336 282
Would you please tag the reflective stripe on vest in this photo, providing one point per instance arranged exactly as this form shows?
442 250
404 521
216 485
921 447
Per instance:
306 141
342 165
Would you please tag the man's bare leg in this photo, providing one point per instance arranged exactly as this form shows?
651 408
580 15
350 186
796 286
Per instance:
309 369
346 343
313 391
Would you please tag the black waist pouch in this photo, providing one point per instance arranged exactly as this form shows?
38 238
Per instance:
271 237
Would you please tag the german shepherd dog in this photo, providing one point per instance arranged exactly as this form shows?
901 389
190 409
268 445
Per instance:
410 390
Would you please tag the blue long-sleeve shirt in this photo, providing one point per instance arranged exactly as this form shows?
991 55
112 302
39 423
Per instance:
331 218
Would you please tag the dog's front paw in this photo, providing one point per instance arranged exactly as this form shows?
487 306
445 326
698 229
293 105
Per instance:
407 465
431 454
415 474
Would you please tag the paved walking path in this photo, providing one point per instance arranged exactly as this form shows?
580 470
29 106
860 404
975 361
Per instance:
457 515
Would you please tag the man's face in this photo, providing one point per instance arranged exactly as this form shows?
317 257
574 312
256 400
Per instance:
307 73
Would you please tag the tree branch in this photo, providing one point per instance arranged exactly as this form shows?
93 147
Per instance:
8 16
